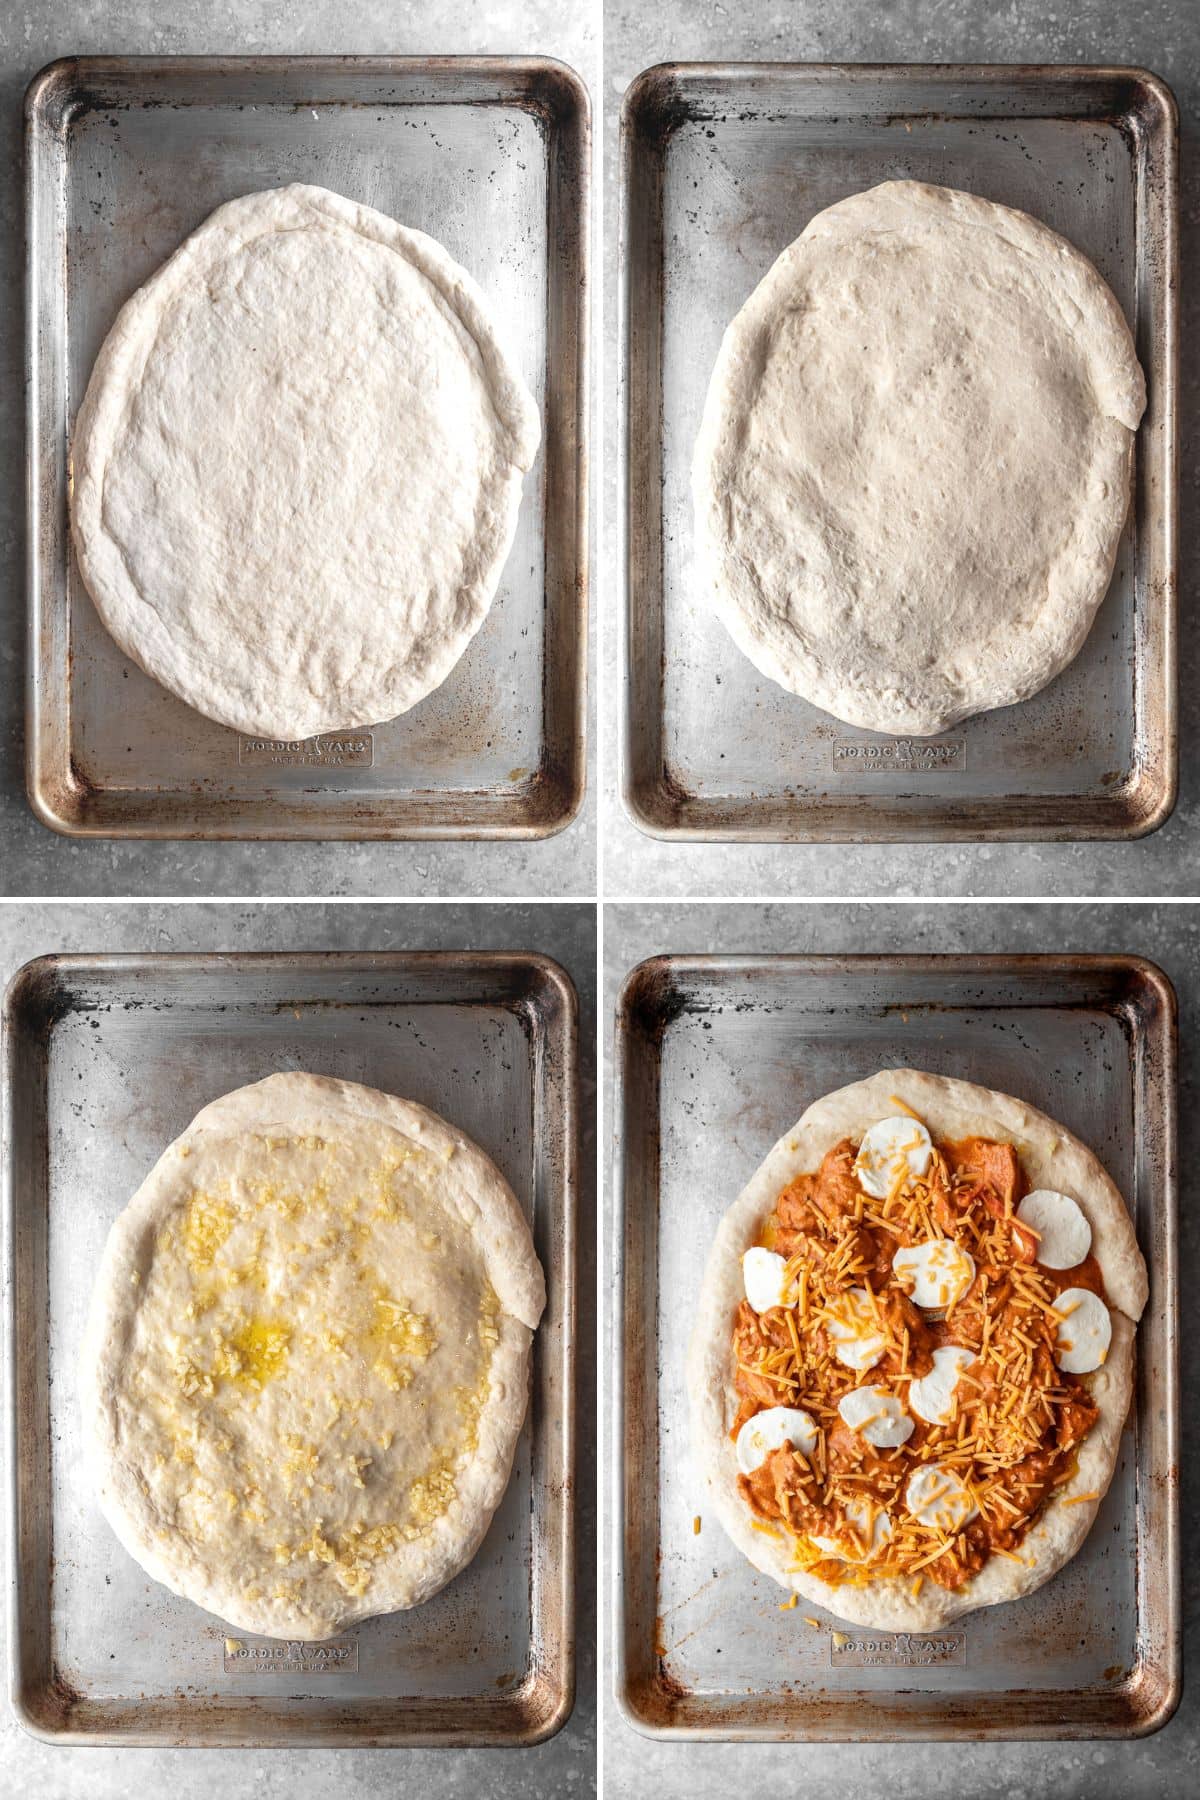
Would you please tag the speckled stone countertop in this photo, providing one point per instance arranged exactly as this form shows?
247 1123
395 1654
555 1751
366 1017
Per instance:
1167 1763
34 860
563 1768
1162 35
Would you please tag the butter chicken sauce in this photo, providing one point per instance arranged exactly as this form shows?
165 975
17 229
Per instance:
1016 1419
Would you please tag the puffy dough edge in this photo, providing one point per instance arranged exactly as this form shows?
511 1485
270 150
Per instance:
951 1109
1117 376
405 1580
119 366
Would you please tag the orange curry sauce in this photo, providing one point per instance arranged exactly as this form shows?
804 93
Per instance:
1017 1419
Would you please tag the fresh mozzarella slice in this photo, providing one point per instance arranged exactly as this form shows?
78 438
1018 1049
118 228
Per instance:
1063 1233
878 1415
766 1431
762 1275
1084 1333
936 1274
873 1533
937 1497
853 1328
890 1148
931 1396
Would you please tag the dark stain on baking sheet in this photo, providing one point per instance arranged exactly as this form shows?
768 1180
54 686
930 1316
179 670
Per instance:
653 999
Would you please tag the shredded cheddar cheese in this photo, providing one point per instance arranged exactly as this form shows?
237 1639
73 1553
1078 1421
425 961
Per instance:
1013 1424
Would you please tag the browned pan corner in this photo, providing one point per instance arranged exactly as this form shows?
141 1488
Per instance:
44 1703
650 998
560 95
654 106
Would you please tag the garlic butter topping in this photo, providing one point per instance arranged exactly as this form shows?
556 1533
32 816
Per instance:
304 1384
296 1303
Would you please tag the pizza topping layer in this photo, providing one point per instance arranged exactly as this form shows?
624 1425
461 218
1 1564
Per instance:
763 1277
934 1275
1084 1331
893 1149
768 1430
855 1329
878 1415
920 1262
867 1529
937 1495
932 1396
1064 1236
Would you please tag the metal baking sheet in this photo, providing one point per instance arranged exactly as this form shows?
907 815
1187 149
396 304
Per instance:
722 166
126 156
717 1058
106 1059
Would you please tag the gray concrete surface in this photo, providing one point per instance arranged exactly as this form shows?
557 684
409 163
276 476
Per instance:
1167 1764
1163 35
564 1768
34 860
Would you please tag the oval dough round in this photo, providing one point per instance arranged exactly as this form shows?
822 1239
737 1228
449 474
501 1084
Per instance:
297 468
306 1364
1050 1157
914 462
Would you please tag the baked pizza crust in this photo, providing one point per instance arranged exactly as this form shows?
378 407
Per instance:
461 1185
1051 1157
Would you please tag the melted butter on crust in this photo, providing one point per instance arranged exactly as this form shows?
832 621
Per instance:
309 1363
255 1354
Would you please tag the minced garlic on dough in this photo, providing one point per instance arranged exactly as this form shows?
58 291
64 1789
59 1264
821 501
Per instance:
303 1411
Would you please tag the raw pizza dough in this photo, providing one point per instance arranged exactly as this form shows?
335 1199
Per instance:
297 468
307 1360
1051 1158
914 462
